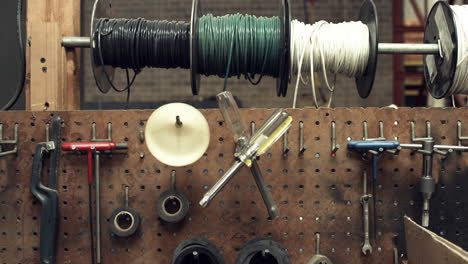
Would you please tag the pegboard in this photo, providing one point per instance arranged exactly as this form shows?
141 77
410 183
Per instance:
315 192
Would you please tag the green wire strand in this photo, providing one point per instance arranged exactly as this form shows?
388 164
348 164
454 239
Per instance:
239 45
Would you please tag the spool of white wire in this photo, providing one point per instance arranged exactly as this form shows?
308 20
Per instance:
460 80
336 48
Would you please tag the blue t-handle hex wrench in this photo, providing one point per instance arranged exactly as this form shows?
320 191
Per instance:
375 148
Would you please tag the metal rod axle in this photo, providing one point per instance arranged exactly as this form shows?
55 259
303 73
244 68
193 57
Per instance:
408 48
76 42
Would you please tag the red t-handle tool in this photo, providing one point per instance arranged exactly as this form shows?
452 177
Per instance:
94 148
90 147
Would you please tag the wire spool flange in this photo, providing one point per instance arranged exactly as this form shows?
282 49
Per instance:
439 70
103 74
285 61
368 15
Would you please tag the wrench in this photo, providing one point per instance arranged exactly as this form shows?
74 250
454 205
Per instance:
367 247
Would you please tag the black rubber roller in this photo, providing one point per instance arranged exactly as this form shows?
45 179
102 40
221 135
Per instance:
263 251
172 206
124 221
197 250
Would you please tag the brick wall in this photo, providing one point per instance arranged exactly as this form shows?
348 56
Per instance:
160 85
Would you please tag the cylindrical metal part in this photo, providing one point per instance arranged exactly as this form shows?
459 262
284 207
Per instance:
425 213
454 148
76 42
428 147
408 48
427 186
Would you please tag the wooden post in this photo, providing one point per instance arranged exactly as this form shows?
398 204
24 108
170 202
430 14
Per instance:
53 72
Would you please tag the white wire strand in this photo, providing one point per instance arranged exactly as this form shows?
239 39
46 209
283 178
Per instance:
337 48
460 80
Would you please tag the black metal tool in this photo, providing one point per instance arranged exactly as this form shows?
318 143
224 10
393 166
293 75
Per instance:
47 195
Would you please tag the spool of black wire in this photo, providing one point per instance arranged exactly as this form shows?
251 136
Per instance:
139 43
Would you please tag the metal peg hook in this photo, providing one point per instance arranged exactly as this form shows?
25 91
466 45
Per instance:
460 138
413 132
286 147
366 132
13 141
335 146
126 195
302 147
395 151
252 128
173 180
109 133
317 242
47 135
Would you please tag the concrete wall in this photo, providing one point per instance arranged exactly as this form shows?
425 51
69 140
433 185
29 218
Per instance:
155 86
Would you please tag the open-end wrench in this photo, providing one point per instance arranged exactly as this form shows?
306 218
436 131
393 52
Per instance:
366 247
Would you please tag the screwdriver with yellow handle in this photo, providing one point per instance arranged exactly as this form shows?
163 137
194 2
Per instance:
249 148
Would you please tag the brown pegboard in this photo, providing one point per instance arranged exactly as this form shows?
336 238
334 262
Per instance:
315 193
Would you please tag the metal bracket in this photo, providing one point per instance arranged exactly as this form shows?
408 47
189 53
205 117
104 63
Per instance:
460 138
334 146
366 132
9 142
109 133
413 132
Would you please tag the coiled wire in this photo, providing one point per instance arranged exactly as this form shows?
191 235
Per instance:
139 43
230 45
239 45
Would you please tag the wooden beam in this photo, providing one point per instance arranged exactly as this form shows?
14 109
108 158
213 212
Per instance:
53 73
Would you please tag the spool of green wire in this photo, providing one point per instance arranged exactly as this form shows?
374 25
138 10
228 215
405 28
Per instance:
239 45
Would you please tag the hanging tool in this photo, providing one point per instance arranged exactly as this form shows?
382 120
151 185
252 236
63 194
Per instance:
366 247
250 148
428 148
94 149
124 221
172 204
47 195
319 258
375 148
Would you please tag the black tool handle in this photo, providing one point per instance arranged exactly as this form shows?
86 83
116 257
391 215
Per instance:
49 214
273 210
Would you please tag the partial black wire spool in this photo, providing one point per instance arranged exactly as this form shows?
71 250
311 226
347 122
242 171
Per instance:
439 71
263 251
285 37
197 250
368 16
124 221
172 205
